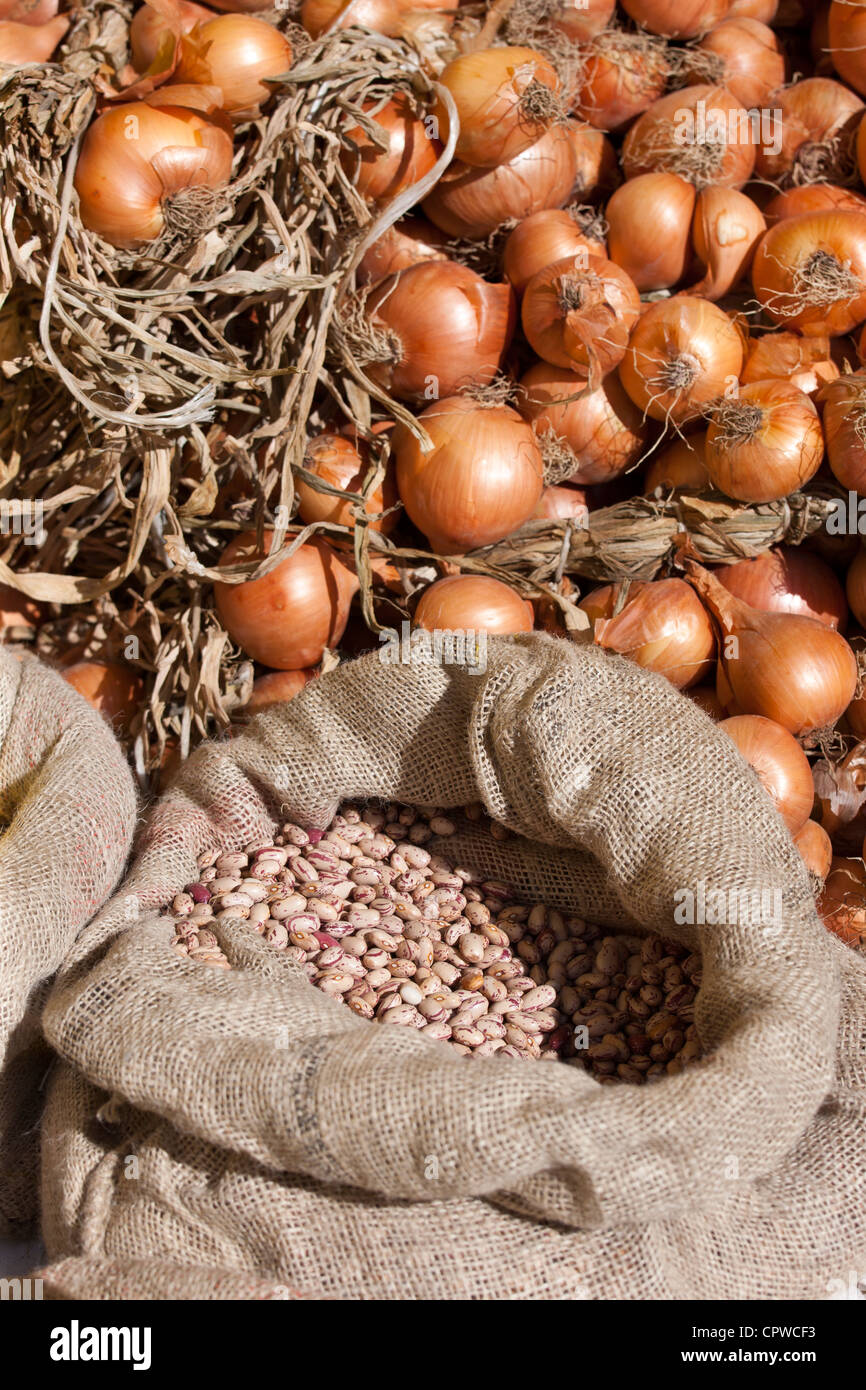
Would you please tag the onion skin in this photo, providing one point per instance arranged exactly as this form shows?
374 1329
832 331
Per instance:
488 88
622 74
815 847
677 19
560 501
663 627
649 229
275 688
787 252
782 766
812 197
667 138
680 340
380 175
578 313
794 670
473 603
336 461
811 113
842 905
481 480
387 17
28 11
804 362
23 44
541 239
123 184
726 229
453 328
681 467
237 53
604 429
17 611
597 168
764 10
411 241
472 203
783 451
288 617
110 687
580 20
787 579
754 66
844 403
846 27
149 27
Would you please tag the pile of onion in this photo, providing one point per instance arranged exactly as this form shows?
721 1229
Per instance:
288 617
481 479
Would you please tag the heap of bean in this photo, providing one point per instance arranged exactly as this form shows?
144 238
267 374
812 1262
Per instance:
404 937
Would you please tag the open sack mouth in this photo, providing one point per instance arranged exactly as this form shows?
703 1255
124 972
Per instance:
406 936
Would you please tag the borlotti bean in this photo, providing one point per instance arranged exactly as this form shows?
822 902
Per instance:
407 939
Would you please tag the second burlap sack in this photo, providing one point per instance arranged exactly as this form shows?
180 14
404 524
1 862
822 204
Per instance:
235 1133
67 813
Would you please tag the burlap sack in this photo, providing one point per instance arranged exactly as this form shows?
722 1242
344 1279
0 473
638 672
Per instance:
67 813
243 1123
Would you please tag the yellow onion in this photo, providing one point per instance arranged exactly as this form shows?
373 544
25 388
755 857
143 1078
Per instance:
408 242
809 272
840 790
138 163
29 11
726 230
541 239
764 443
804 362
237 53
788 579
701 133
649 229
275 688
379 175
814 123
597 169
815 847
381 16
812 197
111 687
842 904
746 59
764 10
782 766
846 29
479 482
443 327
621 75
289 616
471 203
473 603
336 461
505 97
677 19
794 670
579 312
21 44
662 627
19 615
581 19
603 428
680 467
683 353
560 501
845 429
150 27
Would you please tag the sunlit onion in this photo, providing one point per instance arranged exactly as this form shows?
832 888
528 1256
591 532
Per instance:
541 239
621 75
782 766
764 443
380 175
683 354
788 579
662 627
237 53
336 461
472 603
680 467
578 313
701 133
815 847
408 242
505 99
603 428
814 122
809 272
